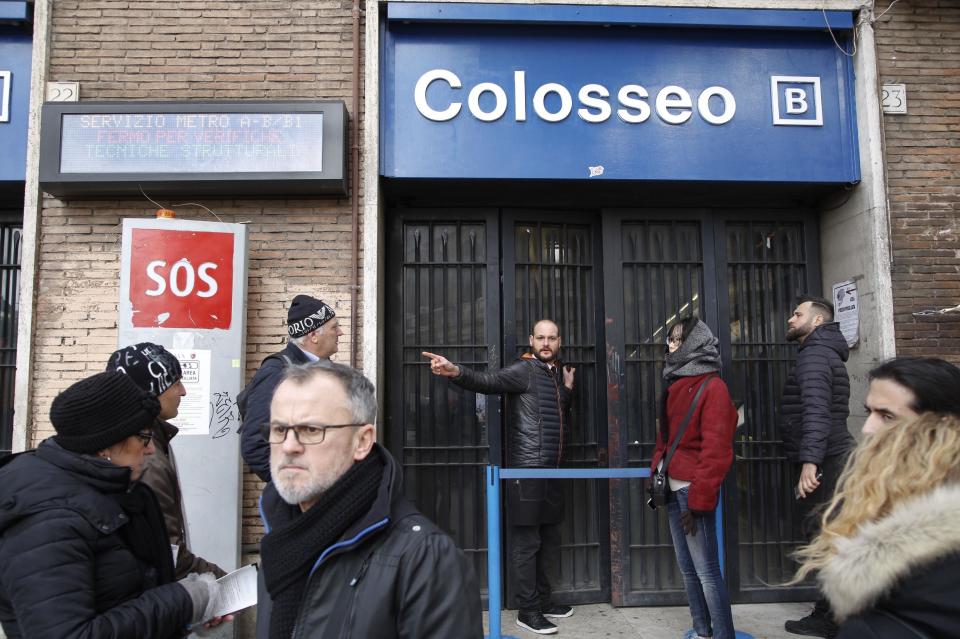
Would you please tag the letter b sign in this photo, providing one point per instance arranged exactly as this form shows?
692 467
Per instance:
181 279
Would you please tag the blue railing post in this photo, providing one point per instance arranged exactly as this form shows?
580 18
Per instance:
494 476
493 551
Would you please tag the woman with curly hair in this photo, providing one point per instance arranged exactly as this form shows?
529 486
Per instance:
888 553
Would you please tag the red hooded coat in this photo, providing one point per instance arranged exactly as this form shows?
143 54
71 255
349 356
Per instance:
705 453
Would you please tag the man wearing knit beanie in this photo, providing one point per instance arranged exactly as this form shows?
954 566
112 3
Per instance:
157 370
313 331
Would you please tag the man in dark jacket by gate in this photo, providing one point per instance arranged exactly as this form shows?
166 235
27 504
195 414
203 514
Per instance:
345 554
813 424
313 331
539 389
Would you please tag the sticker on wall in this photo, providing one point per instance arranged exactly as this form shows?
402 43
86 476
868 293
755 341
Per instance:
846 305
194 415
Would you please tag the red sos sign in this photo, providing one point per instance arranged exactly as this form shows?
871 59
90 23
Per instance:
181 279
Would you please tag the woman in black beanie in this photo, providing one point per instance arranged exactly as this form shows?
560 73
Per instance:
83 552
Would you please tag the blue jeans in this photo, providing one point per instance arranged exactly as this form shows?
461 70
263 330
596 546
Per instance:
700 566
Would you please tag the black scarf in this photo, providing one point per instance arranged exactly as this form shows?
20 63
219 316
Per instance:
145 534
289 551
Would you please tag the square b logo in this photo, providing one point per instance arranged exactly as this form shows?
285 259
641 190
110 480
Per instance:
796 100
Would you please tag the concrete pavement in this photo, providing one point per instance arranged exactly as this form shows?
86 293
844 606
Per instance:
602 621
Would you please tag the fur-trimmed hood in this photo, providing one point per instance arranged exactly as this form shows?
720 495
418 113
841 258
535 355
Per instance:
869 565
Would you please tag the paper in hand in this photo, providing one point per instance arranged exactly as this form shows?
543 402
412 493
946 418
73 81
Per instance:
238 590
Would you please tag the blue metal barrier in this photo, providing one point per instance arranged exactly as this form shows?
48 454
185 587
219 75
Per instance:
495 474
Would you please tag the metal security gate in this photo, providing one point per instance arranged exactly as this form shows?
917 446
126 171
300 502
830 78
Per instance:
446 295
10 242
444 298
765 265
469 284
741 276
662 262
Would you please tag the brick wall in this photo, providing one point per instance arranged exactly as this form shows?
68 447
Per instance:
918 44
190 50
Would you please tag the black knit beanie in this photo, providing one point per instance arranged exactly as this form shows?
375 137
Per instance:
100 411
151 366
306 315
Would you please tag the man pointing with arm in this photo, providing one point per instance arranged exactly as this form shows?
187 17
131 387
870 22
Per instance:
540 389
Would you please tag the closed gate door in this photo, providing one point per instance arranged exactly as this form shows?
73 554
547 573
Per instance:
469 284
741 276
10 245
662 263
444 298
765 265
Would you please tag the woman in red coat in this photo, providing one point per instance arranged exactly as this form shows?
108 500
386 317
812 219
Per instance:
701 461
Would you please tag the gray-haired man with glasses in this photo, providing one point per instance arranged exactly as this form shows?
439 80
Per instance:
345 552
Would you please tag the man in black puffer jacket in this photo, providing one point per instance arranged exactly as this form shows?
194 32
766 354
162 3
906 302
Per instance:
539 390
813 424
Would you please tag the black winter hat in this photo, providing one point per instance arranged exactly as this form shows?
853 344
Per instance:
306 315
151 366
100 411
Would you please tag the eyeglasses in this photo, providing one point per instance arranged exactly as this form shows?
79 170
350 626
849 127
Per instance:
675 339
305 434
146 437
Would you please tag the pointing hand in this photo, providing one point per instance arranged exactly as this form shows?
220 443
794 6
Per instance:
440 365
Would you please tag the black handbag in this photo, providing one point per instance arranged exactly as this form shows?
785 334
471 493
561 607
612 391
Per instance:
659 484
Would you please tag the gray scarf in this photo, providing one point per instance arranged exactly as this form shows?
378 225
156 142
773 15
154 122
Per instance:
698 355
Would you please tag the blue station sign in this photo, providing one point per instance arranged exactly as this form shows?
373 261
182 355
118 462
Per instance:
617 93
15 66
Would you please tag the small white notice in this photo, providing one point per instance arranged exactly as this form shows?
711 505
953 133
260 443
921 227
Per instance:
194 415
846 306
238 590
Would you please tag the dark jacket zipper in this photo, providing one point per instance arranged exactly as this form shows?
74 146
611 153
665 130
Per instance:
353 598
556 388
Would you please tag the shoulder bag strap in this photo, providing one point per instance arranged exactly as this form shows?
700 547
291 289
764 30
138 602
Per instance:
683 426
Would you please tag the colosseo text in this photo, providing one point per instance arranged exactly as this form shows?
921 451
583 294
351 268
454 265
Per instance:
633 103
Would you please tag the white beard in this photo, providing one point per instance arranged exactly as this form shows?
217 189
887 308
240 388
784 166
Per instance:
296 492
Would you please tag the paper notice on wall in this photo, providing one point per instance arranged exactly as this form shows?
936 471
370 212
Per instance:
846 305
194 415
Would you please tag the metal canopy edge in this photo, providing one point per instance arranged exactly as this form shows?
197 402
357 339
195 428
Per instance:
620 15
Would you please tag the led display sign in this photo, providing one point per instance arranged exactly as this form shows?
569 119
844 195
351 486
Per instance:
191 142
213 148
